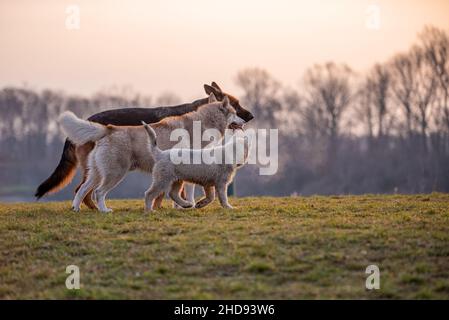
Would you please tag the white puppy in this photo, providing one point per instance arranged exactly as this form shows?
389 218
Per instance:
215 173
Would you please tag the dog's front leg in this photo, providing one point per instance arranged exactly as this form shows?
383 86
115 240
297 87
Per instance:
150 196
223 195
190 192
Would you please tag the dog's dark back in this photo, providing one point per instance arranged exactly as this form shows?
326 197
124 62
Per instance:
135 116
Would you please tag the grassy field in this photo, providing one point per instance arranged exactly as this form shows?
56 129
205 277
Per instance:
268 248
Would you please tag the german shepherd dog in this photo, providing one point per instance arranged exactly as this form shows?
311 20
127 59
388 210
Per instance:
120 149
74 155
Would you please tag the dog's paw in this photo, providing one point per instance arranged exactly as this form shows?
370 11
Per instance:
107 210
75 209
201 204
188 205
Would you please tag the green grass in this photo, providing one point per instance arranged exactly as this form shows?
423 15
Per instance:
268 248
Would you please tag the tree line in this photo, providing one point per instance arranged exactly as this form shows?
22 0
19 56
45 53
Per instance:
384 131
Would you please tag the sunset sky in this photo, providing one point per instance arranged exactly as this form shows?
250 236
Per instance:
158 46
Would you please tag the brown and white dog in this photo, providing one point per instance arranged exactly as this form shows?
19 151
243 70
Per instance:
120 149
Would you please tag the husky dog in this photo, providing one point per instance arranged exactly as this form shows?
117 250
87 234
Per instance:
74 155
120 149
168 176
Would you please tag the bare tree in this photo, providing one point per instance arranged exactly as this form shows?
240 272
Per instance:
414 85
261 93
424 91
289 117
374 102
379 82
435 43
365 110
403 84
329 94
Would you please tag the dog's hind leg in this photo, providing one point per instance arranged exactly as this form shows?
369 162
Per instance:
108 182
156 191
82 153
151 196
157 203
161 184
174 195
209 191
222 195
91 182
89 200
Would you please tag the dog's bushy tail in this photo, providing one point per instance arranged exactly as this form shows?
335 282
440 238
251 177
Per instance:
152 135
63 174
81 131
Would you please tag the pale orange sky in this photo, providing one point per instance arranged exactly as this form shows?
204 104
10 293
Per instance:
177 45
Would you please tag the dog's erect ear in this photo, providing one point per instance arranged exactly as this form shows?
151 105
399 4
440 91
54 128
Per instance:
225 101
215 85
209 89
224 105
212 98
